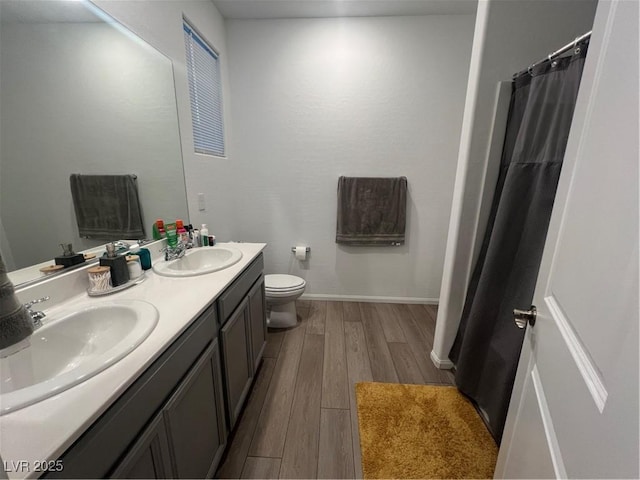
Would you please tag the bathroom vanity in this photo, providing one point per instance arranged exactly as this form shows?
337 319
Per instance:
166 409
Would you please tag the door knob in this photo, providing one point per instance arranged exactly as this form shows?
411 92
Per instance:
522 317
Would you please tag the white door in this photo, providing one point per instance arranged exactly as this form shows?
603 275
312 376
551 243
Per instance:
574 407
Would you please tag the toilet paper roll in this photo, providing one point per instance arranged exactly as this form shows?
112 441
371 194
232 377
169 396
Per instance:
301 253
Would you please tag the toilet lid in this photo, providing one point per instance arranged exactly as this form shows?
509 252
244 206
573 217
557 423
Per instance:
282 282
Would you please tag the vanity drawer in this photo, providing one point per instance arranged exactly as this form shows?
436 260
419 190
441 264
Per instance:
232 296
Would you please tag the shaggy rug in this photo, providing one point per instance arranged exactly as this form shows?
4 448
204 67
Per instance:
421 431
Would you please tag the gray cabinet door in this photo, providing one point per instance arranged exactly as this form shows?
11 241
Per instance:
258 322
236 355
149 456
194 419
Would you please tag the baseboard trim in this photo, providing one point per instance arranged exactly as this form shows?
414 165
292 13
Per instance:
364 298
441 364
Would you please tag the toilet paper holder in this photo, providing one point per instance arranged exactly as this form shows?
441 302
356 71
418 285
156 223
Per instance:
293 249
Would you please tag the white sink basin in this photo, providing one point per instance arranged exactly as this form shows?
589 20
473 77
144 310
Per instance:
71 347
199 261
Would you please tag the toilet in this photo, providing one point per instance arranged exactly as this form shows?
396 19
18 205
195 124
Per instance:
281 292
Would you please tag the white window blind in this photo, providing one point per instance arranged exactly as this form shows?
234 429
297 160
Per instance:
205 91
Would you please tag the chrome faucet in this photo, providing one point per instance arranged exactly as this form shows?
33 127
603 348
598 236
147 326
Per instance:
173 253
36 316
121 245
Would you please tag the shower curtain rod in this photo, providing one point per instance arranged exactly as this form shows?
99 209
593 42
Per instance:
555 54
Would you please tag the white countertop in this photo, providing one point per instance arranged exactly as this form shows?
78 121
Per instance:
43 431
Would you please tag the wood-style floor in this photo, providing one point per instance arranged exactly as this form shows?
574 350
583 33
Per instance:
300 419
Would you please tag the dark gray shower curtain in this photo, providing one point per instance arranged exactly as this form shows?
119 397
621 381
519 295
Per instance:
488 344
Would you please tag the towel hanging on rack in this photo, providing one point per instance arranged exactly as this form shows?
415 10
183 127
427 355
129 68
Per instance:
107 206
371 211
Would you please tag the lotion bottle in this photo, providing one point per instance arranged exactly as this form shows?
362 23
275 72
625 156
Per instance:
204 235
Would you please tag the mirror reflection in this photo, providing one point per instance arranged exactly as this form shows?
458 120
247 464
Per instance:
79 94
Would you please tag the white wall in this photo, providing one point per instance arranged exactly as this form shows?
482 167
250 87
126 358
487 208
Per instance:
314 99
160 24
392 107
81 98
509 36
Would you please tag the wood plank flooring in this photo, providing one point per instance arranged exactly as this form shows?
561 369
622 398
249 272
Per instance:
300 420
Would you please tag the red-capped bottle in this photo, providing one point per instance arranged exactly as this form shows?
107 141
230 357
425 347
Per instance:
183 235
161 229
158 229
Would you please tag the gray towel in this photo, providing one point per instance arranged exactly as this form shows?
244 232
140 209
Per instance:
107 206
371 211
15 321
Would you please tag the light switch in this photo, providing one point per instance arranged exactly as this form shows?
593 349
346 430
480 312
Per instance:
201 203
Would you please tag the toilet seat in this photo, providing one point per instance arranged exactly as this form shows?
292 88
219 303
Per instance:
281 284
281 292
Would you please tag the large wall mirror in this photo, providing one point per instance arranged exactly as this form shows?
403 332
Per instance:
79 94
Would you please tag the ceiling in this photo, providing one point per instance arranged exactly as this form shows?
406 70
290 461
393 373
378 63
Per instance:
49 11
54 11
260 9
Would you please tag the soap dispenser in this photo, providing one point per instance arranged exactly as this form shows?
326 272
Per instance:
68 257
117 264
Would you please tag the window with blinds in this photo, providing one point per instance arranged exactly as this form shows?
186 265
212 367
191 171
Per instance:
205 92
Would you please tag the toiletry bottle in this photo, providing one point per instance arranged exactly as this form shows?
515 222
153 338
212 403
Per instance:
189 229
204 235
134 266
117 264
172 235
144 254
145 258
158 229
183 235
197 242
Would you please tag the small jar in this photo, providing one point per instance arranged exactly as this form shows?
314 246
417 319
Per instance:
134 266
99 279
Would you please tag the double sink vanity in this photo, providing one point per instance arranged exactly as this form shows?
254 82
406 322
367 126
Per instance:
144 383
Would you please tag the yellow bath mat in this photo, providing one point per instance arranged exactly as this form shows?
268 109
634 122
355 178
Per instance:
421 431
